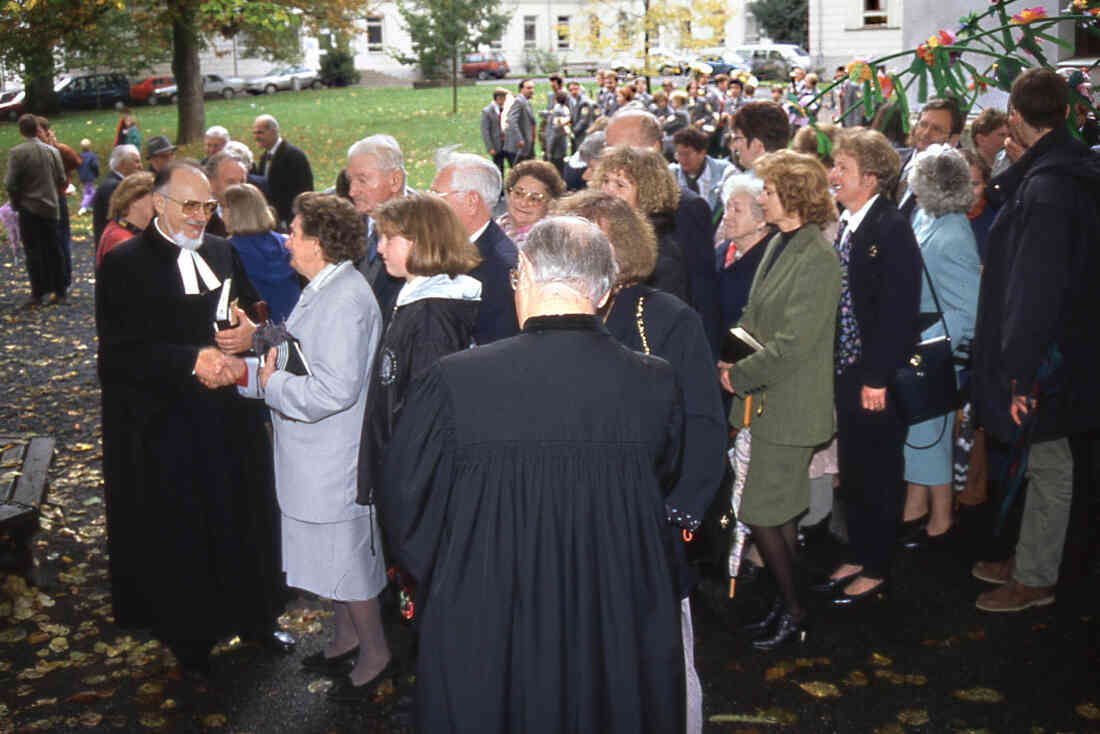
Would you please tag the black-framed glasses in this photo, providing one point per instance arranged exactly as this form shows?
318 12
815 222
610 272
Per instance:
513 278
191 207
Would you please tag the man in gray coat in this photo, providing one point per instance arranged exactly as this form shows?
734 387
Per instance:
34 176
492 130
519 134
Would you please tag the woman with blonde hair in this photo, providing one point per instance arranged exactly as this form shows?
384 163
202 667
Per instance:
641 178
791 311
128 214
251 226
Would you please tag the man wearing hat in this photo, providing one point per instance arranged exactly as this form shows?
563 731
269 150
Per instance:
158 151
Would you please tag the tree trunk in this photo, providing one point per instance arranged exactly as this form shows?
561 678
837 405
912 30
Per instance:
38 81
185 67
454 81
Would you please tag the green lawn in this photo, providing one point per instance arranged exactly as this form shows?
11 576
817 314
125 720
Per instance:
323 123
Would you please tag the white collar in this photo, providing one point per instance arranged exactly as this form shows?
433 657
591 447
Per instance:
317 282
855 219
480 230
191 266
278 142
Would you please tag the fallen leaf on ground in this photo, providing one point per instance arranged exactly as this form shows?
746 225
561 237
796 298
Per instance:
1088 710
880 660
819 689
979 695
780 670
214 721
913 717
319 686
856 679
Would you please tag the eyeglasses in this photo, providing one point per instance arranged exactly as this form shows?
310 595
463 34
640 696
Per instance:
191 207
513 278
532 196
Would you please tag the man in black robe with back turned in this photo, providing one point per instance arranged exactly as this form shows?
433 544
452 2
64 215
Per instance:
191 513
524 490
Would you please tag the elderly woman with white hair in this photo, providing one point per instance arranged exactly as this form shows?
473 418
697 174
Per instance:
940 181
742 229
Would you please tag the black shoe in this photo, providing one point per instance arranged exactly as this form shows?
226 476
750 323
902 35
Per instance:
829 585
910 530
275 640
785 631
347 692
339 665
924 541
759 627
877 593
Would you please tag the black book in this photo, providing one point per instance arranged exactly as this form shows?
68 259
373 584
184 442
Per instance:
738 344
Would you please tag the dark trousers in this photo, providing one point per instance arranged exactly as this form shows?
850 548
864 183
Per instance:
500 158
45 263
64 241
869 454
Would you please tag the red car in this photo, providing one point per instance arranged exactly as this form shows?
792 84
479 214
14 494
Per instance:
484 66
143 90
11 104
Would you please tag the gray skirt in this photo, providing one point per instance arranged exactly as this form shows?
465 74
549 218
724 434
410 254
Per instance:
334 559
777 487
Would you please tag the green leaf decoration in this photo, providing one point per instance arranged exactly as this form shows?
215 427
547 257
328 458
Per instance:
824 145
922 86
917 65
1054 39
868 108
903 103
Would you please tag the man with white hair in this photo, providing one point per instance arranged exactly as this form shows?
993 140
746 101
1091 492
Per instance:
376 174
285 167
214 141
224 170
125 159
470 185
693 228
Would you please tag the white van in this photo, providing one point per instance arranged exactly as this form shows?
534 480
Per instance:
792 54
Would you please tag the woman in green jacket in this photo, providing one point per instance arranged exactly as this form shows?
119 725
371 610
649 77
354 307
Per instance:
791 312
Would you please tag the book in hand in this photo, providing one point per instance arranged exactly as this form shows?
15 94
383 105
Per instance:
290 357
738 344
225 317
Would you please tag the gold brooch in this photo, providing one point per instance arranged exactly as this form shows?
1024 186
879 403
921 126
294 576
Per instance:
872 251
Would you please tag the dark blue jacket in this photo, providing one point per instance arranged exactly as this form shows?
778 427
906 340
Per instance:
497 317
694 230
267 263
89 167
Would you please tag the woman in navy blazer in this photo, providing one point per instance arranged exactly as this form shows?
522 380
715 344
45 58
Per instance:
876 328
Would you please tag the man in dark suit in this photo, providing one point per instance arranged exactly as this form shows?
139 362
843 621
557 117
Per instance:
284 165
694 229
492 131
224 170
583 112
519 133
941 121
125 159
376 174
471 185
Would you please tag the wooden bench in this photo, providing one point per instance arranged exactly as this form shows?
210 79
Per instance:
24 463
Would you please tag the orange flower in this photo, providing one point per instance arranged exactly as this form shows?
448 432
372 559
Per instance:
1028 15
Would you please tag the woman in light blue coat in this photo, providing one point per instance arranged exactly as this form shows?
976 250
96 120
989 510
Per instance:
331 545
940 181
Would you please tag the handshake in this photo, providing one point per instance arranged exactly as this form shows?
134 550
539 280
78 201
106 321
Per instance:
215 369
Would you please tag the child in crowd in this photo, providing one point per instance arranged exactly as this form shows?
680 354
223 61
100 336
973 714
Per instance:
88 173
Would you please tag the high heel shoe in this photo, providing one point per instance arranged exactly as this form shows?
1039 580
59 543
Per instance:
878 592
786 630
829 585
909 530
760 626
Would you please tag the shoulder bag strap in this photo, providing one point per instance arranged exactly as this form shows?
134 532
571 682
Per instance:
935 298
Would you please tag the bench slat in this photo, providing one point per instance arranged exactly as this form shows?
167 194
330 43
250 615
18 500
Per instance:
10 456
9 512
30 487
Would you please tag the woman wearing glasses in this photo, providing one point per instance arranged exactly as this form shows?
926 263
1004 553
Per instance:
531 187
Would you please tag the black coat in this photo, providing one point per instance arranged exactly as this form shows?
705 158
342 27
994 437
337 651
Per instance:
884 273
674 332
695 233
669 274
417 335
525 490
497 318
1039 289
192 519
288 175
101 202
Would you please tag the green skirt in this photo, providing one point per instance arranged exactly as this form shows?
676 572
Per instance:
777 488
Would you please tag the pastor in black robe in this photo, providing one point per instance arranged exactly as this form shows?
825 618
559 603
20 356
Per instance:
191 511
524 488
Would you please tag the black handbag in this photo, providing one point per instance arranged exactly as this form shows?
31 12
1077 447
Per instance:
924 387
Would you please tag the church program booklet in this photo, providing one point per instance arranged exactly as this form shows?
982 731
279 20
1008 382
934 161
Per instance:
739 344
225 317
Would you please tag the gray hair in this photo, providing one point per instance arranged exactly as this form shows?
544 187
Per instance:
121 153
383 148
217 131
573 252
592 146
240 151
212 163
472 173
940 180
269 122
751 186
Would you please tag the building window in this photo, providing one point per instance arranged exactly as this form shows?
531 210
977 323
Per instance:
874 12
529 26
374 33
563 33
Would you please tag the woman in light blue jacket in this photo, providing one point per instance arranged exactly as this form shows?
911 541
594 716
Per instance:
331 545
940 181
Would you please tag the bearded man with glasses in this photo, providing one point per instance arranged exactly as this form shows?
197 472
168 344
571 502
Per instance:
187 470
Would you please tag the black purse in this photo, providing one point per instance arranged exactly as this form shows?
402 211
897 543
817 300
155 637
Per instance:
924 387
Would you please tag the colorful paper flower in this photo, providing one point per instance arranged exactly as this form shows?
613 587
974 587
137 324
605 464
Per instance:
1029 15
859 71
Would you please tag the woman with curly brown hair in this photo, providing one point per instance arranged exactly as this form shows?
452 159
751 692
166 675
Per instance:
317 418
641 178
791 311
531 187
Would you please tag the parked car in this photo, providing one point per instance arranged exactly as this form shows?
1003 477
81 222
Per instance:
668 61
11 104
213 85
143 90
485 65
774 60
729 63
94 90
292 77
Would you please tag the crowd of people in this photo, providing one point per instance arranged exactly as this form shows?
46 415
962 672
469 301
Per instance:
510 399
